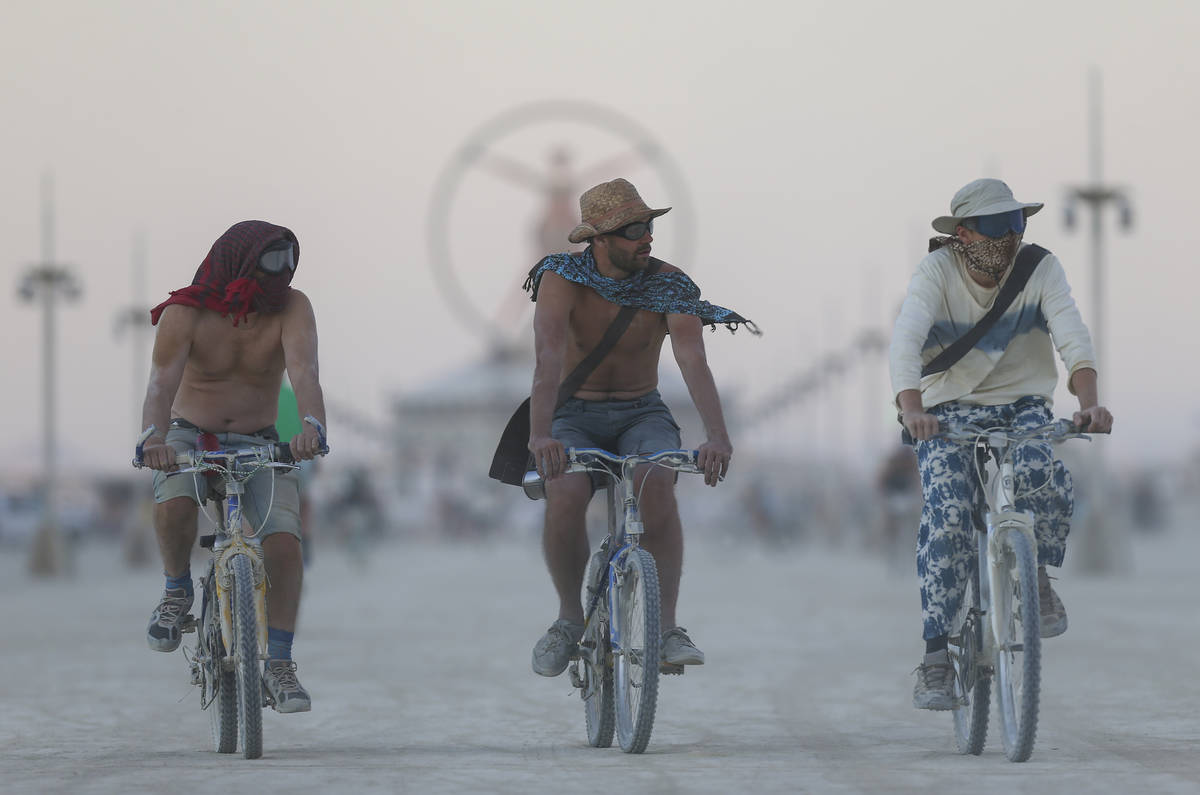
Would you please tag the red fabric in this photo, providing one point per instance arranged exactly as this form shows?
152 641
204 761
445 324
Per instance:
225 281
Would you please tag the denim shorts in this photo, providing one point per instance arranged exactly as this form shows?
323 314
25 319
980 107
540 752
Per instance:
271 493
624 427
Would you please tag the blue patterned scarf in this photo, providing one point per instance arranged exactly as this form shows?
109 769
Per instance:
670 291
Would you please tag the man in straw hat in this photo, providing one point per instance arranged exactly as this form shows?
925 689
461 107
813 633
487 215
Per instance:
618 408
1007 379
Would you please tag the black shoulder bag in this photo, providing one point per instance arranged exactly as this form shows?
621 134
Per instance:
512 458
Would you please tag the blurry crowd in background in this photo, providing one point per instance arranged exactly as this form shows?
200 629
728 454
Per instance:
440 494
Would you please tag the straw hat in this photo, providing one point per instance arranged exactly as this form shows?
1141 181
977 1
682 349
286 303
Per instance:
609 206
981 197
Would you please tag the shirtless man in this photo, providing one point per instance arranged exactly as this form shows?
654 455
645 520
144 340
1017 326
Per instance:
222 346
618 408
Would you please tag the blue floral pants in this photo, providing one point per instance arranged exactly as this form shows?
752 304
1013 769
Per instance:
946 543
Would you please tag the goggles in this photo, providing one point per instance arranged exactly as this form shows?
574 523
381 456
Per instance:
998 225
635 231
277 258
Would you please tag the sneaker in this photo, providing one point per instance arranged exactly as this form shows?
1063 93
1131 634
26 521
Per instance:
557 647
935 682
283 688
678 649
165 630
1054 615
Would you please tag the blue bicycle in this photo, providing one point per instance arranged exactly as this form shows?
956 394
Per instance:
618 665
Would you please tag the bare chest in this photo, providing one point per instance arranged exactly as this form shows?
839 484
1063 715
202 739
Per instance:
593 316
252 348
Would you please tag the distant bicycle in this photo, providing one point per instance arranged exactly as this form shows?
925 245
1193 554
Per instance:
618 666
997 633
232 630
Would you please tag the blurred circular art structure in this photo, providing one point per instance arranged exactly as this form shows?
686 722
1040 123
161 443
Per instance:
509 195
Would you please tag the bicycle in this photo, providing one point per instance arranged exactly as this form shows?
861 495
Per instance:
997 630
231 634
618 665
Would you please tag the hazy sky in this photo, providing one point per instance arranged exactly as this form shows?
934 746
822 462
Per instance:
816 140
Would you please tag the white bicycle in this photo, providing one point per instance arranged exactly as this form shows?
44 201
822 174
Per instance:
618 665
232 629
997 631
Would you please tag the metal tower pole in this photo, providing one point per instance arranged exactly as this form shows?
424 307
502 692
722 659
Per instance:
1103 537
48 281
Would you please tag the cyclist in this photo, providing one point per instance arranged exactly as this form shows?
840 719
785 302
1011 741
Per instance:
222 346
1007 379
618 408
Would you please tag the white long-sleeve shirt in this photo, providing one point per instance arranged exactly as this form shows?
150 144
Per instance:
1014 359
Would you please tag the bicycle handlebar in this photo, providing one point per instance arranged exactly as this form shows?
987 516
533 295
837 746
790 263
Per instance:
1056 432
588 459
280 452
679 460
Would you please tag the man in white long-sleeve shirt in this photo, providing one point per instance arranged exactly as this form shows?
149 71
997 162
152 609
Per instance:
1006 379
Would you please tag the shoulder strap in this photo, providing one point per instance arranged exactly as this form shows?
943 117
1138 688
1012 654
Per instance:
1029 258
572 382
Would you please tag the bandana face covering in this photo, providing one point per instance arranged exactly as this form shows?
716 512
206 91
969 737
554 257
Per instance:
989 256
231 280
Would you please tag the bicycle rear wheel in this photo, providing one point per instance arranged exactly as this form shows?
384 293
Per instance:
595 663
972 679
221 682
1019 647
636 641
247 668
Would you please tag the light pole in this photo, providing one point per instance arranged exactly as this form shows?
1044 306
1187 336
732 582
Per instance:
1103 541
48 280
135 319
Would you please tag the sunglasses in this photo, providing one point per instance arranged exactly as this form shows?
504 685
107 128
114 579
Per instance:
275 260
636 230
998 225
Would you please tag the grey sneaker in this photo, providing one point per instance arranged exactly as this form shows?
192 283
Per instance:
557 647
284 689
1054 615
678 649
165 630
935 682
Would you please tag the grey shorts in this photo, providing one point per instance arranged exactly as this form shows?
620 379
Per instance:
624 427
284 503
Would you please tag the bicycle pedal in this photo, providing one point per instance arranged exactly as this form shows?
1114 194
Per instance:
670 669
188 624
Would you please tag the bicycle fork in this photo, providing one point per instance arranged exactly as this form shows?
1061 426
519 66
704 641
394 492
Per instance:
224 553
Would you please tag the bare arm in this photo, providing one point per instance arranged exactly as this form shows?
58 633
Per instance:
556 297
919 423
687 343
299 337
1091 415
172 345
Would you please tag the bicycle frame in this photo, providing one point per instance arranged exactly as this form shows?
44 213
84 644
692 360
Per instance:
1000 520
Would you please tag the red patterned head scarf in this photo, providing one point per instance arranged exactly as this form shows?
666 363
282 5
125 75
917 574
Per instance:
225 282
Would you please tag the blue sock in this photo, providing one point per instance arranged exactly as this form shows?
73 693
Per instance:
183 581
279 644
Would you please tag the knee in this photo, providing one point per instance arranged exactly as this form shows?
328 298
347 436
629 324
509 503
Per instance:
176 516
567 499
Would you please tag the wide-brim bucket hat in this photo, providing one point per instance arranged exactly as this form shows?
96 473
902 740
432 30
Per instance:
981 197
609 206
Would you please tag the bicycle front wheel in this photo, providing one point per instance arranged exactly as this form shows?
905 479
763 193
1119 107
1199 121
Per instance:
595 663
1019 646
247 668
221 683
972 679
635 647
